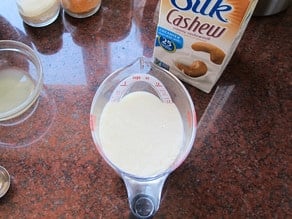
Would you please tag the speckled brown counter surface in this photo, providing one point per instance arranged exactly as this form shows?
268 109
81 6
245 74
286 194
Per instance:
239 167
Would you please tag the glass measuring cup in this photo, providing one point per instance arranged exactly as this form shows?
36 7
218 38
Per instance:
144 191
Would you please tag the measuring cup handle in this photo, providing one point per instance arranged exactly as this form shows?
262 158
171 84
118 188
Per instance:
144 195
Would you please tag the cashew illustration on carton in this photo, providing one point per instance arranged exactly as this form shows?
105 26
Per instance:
217 55
196 69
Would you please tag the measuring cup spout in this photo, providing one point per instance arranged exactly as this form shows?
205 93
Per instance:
144 195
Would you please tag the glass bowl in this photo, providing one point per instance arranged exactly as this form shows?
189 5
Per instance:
21 78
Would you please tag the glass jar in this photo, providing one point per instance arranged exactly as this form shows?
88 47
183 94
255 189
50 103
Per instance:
81 8
38 13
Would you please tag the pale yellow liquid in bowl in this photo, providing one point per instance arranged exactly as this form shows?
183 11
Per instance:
15 88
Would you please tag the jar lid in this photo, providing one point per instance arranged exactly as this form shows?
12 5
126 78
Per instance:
4 181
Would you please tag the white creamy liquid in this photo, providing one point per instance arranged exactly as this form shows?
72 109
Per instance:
15 88
141 135
31 8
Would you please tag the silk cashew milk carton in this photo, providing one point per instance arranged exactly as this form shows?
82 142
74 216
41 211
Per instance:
195 39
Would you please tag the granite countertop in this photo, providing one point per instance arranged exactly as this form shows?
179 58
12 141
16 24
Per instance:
240 164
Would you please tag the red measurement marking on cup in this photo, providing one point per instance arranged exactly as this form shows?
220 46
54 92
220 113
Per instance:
92 122
126 84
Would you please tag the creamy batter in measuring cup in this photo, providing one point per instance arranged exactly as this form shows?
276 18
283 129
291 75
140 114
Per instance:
143 123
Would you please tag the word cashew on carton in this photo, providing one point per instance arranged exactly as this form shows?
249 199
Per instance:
195 39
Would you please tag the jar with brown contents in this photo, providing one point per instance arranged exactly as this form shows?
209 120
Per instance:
81 8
